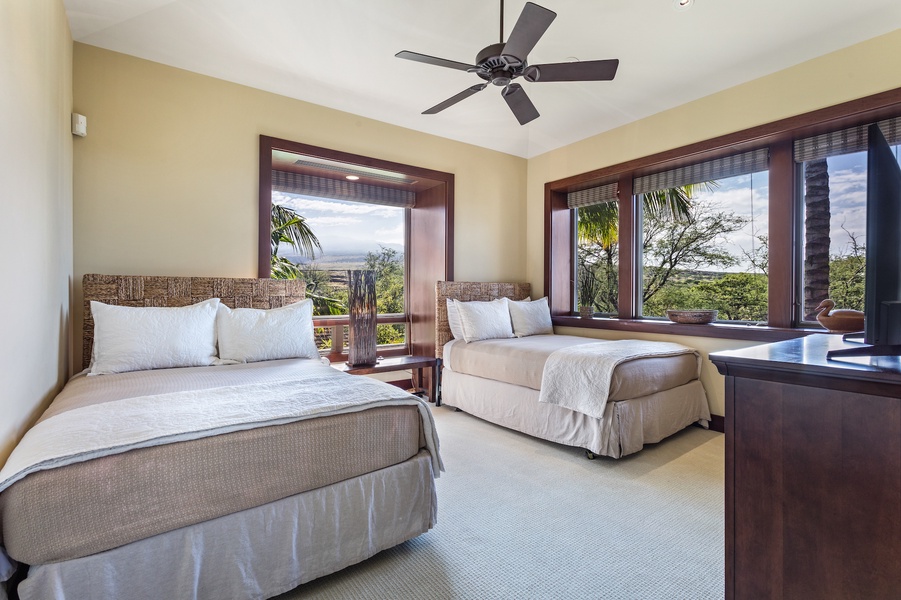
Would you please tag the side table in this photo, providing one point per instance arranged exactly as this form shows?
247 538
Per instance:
402 363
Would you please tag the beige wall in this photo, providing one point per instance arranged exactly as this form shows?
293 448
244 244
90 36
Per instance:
861 70
167 176
166 180
35 209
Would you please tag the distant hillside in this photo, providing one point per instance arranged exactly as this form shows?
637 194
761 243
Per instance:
334 262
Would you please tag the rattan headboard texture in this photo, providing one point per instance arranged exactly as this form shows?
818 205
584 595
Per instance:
465 291
142 290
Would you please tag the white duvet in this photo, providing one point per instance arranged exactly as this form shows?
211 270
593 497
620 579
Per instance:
109 428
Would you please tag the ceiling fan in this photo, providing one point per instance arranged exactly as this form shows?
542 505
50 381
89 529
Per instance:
501 63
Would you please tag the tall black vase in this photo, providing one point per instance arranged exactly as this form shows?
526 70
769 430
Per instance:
362 313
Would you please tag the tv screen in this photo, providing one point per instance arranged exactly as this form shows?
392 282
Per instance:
882 302
883 280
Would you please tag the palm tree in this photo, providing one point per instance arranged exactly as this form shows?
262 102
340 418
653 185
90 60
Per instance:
816 234
291 228
599 223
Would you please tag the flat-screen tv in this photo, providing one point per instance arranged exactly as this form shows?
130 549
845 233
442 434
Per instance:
882 302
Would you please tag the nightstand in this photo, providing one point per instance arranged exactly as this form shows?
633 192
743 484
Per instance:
402 363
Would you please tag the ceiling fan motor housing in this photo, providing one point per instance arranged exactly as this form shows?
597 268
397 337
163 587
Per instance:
497 67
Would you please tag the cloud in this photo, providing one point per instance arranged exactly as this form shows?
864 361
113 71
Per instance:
305 205
315 222
392 235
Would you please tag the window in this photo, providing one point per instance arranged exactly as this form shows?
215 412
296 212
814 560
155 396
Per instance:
346 211
832 169
704 238
344 235
747 225
596 249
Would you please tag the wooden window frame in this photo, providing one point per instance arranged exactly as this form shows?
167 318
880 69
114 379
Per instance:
429 239
783 222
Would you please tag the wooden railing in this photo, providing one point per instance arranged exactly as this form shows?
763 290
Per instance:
334 329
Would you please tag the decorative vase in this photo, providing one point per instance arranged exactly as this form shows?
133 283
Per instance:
586 312
361 312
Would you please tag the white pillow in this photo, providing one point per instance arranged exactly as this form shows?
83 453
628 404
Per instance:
453 317
531 318
128 338
453 320
485 320
253 334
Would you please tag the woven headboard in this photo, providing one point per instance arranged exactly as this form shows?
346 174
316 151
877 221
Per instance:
138 290
465 291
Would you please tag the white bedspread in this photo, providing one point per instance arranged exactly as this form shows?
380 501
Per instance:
578 377
109 428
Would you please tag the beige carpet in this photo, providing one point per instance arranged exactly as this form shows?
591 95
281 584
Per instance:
522 518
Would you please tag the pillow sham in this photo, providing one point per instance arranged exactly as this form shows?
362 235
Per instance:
128 338
531 318
485 320
453 317
253 334
453 320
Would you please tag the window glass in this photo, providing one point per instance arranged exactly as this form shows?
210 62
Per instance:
597 258
320 239
704 246
834 198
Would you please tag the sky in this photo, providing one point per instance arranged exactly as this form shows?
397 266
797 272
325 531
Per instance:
747 197
345 227
847 198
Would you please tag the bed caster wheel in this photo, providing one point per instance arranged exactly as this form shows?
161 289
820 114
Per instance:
590 455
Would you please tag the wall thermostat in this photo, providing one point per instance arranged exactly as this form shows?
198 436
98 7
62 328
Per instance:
79 125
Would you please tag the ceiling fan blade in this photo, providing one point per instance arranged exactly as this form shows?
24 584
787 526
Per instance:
533 22
454 99
589 70
431 60
520 104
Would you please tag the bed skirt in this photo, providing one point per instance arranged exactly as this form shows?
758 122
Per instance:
260 552
626 426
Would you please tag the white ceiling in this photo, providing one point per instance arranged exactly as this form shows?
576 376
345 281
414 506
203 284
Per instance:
340 53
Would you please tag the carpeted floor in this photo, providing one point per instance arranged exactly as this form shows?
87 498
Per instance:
522 518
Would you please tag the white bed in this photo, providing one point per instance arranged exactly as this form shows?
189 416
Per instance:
499 380
238 481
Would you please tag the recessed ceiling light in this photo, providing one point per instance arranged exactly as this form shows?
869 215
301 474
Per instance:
352 177
682 4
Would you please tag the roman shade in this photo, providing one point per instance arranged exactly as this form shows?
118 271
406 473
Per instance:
340 189
844 141
607 192
711 170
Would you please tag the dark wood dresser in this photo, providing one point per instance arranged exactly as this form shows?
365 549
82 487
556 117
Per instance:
813 472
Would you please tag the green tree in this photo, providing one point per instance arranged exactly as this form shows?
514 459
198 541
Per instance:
388 265
288 227
673 245
847 272
737 296
598 236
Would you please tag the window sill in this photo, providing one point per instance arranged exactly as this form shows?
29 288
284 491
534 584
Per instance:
754 333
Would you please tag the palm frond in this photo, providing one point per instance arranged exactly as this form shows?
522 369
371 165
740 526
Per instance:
291 228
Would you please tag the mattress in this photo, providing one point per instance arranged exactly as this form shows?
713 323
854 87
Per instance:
520 361
92 506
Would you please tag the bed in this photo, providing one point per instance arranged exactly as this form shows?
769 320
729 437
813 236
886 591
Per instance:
239 480
651 392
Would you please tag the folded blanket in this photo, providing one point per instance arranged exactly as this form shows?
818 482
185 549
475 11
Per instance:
578 377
